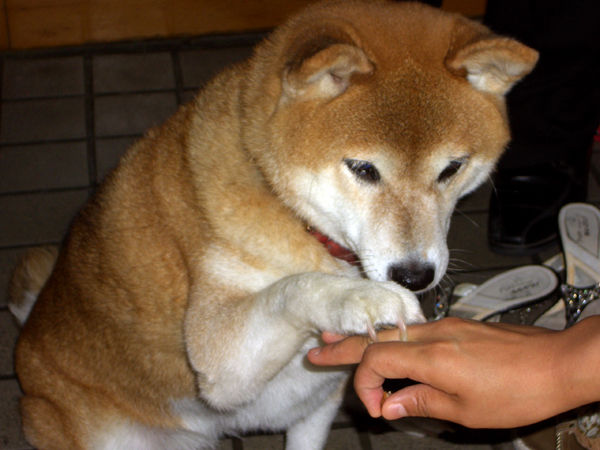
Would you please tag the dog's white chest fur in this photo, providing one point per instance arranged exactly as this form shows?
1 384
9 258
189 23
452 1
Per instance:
298 392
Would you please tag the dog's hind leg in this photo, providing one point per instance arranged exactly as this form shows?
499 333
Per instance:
45 426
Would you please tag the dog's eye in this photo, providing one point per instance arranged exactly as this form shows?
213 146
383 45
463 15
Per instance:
364 170
450 170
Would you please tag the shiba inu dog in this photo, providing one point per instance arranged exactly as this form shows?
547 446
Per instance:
185 296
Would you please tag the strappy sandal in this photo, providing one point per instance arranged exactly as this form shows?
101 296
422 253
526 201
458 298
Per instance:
579 225
528 290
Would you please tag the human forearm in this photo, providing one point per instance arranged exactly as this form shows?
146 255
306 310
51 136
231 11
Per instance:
580 362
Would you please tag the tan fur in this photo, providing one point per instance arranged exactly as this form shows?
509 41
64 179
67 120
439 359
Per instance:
176 280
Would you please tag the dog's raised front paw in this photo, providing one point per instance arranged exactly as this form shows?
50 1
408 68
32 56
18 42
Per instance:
354 306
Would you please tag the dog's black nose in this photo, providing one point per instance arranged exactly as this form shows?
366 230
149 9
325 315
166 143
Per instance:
412 275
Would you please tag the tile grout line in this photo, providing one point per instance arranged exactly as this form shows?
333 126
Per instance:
57 190
237 443
29 245
178 75
21 99
67 140
8 377
364 440
41 98
199 42
88 76
1 93
2 59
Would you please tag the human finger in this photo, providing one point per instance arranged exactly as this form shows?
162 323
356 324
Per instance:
330 338
346 351
421 400
456 328
379 362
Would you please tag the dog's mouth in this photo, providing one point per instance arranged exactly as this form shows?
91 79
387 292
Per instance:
335 249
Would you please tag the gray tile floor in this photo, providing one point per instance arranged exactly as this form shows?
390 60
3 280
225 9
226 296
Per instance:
66 117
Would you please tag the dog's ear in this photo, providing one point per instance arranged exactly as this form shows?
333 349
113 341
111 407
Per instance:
323 65
493 64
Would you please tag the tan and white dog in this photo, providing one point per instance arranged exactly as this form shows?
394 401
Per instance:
188 290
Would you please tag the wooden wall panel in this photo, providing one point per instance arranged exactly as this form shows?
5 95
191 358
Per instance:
113 20
4 41
47 26
471 8
229 15
46 23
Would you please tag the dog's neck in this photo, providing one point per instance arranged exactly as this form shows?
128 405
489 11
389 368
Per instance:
335 249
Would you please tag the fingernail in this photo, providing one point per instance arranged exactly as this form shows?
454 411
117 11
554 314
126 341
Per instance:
401 411
315 351
398 410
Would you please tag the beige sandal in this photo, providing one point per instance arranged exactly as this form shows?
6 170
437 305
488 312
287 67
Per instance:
579 225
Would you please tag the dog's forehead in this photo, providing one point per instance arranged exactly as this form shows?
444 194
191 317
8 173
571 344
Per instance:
411 113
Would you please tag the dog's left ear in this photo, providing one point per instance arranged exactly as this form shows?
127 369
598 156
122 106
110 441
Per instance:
322 66
493 64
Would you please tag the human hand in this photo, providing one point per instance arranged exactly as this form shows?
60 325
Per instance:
476 374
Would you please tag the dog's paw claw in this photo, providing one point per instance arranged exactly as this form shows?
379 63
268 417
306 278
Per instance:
371 304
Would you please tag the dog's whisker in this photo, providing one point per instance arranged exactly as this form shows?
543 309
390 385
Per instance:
457 261
460 250
492 183
469 218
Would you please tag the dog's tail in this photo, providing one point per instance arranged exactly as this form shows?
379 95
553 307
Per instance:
28 279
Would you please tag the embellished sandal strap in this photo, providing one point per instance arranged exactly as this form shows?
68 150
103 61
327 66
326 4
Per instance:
576 299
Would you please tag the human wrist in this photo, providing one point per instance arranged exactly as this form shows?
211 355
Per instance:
580 363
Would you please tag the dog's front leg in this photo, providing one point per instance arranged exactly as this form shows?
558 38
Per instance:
236 349
312 431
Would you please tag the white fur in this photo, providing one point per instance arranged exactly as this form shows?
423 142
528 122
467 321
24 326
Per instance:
298 399
261 380
129 436
22 308
349 215
294 308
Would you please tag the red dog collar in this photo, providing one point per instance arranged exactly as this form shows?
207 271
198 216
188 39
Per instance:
335 249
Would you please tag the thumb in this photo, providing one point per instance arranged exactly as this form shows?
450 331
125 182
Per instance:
420 400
